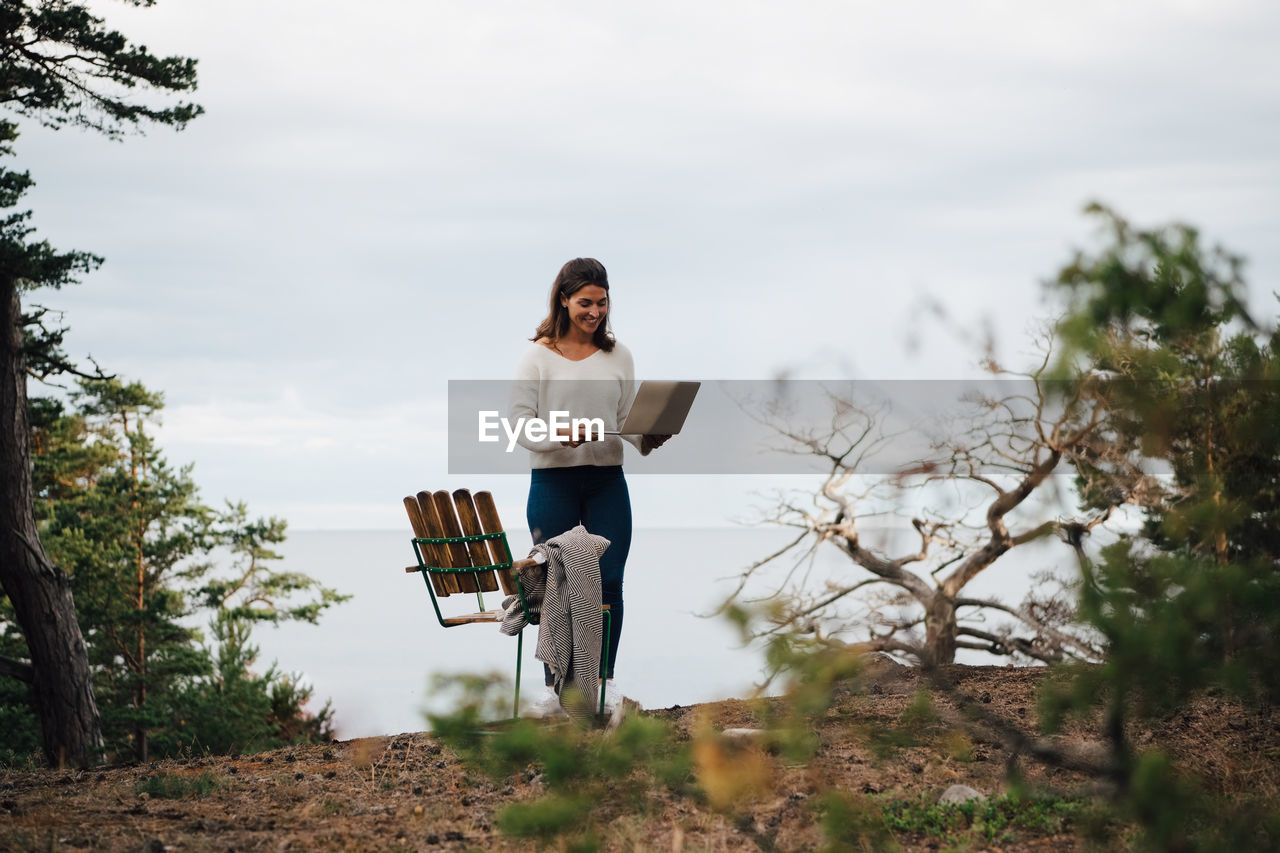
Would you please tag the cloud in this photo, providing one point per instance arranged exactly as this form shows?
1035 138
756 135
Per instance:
377 199
300 427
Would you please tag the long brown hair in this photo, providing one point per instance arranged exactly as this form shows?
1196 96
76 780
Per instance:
573 276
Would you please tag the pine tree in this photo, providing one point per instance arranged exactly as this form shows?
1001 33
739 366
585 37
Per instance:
59 65
38 592
148 560
1188 603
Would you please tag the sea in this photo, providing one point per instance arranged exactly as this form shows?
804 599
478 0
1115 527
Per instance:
377 656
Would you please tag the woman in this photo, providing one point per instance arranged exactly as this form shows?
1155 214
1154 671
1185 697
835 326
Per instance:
574 365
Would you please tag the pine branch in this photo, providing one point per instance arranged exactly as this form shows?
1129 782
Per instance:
18 669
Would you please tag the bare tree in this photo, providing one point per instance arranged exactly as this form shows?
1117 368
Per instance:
989 483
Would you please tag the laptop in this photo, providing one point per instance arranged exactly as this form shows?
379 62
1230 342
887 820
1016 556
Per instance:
659 408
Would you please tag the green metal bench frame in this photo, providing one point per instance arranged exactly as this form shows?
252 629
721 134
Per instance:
427 570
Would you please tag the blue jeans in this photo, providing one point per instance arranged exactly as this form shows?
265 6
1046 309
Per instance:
596 497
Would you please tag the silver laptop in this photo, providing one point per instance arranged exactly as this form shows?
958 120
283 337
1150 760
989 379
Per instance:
659 408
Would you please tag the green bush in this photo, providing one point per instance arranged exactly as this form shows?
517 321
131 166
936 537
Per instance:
545 818
999 820
177 786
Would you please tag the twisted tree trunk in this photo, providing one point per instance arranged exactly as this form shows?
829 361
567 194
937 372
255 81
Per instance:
940 630
40 593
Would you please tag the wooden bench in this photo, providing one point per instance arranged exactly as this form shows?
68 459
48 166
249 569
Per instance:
462 549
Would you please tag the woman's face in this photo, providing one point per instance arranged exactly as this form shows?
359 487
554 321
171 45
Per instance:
587 308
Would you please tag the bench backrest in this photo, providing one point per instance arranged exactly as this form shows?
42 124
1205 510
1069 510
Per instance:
439 515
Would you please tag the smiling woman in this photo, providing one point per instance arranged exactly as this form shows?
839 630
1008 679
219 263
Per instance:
575 366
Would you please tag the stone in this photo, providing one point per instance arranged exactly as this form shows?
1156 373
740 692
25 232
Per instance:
960 794
744 733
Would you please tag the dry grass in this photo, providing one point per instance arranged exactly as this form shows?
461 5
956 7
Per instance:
411 792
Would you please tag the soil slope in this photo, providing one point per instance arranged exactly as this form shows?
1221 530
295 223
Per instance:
410 792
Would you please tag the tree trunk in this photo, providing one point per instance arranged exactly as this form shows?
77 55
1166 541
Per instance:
40 593
940 629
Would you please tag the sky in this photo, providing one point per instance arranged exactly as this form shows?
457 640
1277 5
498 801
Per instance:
379 196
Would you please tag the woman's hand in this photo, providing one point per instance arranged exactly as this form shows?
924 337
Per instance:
566 438
651 442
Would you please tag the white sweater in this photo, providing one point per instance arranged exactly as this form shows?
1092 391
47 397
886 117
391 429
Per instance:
602 385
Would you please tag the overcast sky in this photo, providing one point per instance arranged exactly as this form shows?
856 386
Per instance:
380 194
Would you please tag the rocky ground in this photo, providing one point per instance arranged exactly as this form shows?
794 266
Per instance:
410 791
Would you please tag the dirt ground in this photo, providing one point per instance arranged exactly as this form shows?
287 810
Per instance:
410 792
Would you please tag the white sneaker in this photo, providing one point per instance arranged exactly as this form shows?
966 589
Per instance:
545 706
612 696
